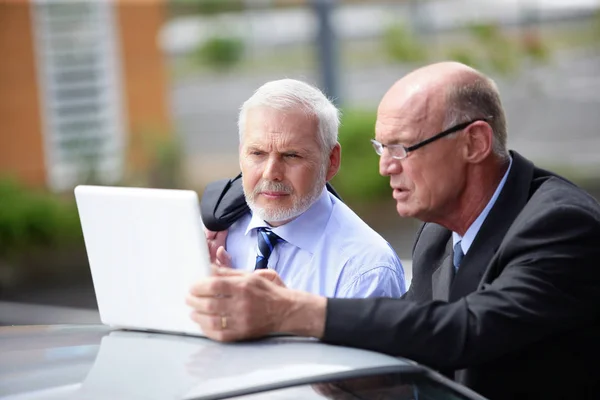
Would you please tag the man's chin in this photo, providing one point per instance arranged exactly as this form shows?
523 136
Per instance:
404 210
274 215
275 207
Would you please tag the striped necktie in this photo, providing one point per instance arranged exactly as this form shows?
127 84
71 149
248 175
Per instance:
267 240
458 255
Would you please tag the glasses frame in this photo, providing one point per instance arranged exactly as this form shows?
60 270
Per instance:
380 146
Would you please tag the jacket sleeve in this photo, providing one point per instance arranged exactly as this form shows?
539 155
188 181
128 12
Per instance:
549 283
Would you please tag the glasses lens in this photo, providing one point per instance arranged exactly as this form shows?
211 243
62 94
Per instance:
377 146
397 151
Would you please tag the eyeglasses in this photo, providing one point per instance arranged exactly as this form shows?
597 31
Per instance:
398 151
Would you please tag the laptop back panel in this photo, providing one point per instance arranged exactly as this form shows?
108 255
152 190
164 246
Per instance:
146 247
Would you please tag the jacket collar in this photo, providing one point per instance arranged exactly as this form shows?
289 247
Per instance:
510 202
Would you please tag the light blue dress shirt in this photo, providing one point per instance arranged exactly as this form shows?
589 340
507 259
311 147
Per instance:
327 250
467 240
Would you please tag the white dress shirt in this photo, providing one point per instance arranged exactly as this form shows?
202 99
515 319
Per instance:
327 250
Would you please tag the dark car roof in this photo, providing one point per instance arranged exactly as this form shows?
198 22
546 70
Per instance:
97 362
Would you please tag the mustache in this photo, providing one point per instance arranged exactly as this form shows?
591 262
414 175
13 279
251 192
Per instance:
270 186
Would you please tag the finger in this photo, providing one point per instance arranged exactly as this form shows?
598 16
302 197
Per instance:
227 271
212 286
212 250
221 235
223 258
212 327
270 275
207 305
210 234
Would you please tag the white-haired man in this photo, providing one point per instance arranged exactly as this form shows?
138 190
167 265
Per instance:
288 152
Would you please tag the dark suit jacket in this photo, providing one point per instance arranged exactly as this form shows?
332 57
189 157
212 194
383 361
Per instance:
521 318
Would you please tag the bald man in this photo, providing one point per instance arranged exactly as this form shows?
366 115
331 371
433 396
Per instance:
505 294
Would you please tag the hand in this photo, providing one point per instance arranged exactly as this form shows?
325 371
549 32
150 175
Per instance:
233 305
215 241
223 258
268 274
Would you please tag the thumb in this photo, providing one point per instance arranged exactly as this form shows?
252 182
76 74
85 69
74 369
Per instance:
223 258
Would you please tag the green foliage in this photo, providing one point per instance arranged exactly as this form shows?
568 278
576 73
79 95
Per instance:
204 7
160 160
358 180
166 161
486 33
221 51
401 45
31 219
534 47
495 50
498 52
596 28
465 56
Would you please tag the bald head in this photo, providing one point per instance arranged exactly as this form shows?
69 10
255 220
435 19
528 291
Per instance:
450 180
446 94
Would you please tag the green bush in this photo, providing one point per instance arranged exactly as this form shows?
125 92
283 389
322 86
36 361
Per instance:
221 51
32 219
204 7
534 47
165 160
358 180
495 50
464 55
401 45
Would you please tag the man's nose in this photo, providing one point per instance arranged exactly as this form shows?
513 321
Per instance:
273 169
388 165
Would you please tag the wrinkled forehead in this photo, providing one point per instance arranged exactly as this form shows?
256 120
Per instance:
266 123
410 112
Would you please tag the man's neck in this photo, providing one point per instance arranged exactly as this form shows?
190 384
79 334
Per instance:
477 194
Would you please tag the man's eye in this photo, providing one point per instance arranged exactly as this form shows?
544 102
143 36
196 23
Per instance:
291 155
256 153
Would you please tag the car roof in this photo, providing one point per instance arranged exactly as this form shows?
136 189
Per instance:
97 362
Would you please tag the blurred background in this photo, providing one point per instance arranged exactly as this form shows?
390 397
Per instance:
146 93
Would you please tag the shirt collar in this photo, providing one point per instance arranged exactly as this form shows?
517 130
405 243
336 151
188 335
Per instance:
469 237
304 230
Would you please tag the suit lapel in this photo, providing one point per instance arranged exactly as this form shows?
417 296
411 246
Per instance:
429 252
442 277
509 204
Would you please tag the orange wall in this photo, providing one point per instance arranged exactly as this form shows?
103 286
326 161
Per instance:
144 73
21 148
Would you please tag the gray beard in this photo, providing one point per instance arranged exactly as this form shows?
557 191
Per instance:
299 205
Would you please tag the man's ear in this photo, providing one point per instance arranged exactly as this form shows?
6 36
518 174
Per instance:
480 138
335 158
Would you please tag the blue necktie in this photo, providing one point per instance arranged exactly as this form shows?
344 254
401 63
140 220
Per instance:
267 240
458 255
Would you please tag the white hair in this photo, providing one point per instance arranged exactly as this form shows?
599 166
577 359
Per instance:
286 94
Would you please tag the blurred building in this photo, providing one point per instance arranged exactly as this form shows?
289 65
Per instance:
81 82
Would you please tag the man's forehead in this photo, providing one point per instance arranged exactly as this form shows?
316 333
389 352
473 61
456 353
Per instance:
281 129
412 109
263 112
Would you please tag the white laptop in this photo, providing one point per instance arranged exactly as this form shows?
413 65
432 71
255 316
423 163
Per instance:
146 247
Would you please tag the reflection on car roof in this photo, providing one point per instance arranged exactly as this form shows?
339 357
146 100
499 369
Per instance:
102 363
